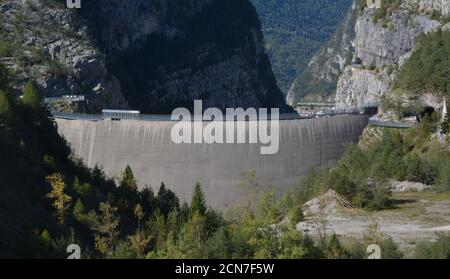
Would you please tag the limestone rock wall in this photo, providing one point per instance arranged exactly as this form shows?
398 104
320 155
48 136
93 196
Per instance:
382 48
152 55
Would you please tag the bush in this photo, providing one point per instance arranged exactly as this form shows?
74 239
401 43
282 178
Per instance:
31 98
442 181
49 162
439 249
7 49
296 215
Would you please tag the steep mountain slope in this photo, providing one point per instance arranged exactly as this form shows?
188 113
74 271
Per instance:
294 30
360 64
385 39
50 200
149 55
319 79
48 43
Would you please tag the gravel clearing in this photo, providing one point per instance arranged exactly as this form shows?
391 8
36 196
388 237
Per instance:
417 217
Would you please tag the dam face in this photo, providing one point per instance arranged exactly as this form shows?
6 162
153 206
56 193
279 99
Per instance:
147 147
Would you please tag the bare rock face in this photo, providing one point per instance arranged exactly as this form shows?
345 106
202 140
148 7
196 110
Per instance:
408 186
378 46
191 49
167 53
53 48
382 48
121 25
359 88
337 52
152 55
431 5
327 64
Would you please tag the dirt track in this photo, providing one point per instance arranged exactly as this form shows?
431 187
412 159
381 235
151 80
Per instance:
416 217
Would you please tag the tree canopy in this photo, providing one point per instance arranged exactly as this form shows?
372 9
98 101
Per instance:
198 203
428 68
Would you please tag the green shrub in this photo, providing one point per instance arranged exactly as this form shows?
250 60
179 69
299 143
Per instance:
296 215
49 162
7 49
439 249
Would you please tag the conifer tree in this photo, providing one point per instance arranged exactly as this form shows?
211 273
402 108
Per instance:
198 204
107 229
167 200
128 180
127 192
139 214
444 125
61 201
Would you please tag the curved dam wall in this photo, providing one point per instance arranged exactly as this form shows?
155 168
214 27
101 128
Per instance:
147 147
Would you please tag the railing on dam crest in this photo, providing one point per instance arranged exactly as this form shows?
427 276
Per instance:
143 117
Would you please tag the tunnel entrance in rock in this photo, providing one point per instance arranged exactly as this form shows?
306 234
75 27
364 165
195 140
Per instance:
428 111
371 111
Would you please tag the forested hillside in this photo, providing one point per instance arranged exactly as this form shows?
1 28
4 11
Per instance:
428 69
49 200
294 30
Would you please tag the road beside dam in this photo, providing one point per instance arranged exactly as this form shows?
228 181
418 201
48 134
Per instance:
147 147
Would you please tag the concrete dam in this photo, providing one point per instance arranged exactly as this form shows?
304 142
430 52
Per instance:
147 147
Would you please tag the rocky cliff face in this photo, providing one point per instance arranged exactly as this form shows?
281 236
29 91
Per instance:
47 43
382 46
152 55
318 81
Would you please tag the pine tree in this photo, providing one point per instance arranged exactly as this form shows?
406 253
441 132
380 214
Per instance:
139 214
140 240
107 229
147 199
166 200
198 204
61 201
127 192
139 243
192 237
444 126
79 211
128 180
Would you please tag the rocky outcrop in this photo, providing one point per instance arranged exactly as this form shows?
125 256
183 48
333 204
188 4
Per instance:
52 47
381 48
214 52
121 25
407 186
431 5
318 81
359 88
337 52
378 46
152 55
